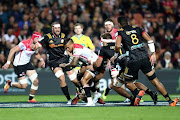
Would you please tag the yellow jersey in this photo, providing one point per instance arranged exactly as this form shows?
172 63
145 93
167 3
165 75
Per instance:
83 40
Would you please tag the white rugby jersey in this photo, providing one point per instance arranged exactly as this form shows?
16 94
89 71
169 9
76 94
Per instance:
23 57
85 54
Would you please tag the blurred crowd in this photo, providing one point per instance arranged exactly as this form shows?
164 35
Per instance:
159 18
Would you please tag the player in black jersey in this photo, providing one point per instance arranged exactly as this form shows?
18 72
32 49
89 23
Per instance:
54 43
132 39
106 52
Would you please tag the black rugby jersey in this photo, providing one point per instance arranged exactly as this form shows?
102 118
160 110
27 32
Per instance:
132 41
107 52
54 46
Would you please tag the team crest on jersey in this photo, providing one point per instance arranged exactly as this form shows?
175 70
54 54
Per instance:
51 41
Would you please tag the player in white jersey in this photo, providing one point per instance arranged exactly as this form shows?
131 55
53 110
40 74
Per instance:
85 55
22 66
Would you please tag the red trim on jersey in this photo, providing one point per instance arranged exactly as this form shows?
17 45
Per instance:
143 32
78 46
84 57
100 56
76 55
39 43
20 56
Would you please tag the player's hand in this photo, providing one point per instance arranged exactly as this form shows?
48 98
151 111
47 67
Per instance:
43 63
62 65
113 58
5 66
153 59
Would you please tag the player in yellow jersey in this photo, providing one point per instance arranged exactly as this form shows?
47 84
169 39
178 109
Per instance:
80 38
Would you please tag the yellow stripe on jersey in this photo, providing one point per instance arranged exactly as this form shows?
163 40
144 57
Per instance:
83 40
120 51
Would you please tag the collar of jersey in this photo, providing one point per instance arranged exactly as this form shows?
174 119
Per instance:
79 36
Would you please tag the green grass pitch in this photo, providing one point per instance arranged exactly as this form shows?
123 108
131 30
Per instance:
87 113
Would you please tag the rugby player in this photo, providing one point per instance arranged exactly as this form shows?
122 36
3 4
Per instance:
106 52
132 39
22 65
54 43
85 55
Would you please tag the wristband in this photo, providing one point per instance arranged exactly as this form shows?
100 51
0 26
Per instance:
8 62
41 59
151 46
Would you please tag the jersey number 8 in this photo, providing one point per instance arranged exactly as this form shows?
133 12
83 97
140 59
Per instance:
134 38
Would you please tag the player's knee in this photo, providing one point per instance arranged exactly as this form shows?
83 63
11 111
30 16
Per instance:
33 77
59 73
36 82
91 72
152 77
72 76
34 87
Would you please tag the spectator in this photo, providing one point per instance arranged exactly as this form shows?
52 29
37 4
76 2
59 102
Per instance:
166 62
25 21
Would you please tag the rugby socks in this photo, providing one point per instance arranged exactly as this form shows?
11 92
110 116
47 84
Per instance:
87 91
135 92
168 98
66 92
149 92
107 91
31 96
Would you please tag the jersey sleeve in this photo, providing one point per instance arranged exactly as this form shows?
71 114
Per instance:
142 31
101 52
117 34
90 44
22 46
43 40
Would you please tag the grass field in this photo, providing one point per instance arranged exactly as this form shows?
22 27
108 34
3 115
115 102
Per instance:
87 113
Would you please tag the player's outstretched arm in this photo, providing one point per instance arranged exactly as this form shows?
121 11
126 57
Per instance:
38 56
10 56
151 47
73 63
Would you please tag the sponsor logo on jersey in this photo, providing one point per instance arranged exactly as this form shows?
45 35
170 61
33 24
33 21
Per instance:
137 46
129 32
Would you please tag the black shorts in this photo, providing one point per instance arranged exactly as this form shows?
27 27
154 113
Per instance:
20 70
55 63
132 69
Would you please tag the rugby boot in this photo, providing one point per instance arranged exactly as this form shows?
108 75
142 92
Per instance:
105 93
75 100
154 98
138 97
97 95
90 102
100 101
32 101
175 101
69 102
7 86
